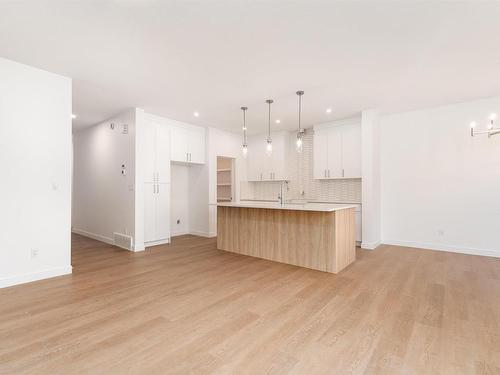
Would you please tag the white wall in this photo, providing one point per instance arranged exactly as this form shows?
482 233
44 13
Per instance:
103 200
370 170
439 185
35 159
198 200
179 203
222 143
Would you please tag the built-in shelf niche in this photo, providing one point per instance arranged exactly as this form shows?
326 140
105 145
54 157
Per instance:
225 179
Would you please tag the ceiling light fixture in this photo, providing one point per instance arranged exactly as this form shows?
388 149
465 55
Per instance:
328 110
278 121
301 131
269 146
196 114
244 149
491 129
73 116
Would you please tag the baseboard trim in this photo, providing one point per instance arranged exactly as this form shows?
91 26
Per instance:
139 247
199 233
35 276
444 247
156 243
94 236
195 233
370 246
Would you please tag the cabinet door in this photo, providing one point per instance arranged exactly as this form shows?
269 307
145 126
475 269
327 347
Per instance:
320 153
334 152
163 212
149 212
351 151
179 144
255 157
163 153
278 167
253 173
149 149
197 145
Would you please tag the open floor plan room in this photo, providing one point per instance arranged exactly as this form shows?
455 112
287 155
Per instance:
196 309
246 187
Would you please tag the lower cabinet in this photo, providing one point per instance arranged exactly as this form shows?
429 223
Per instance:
156 213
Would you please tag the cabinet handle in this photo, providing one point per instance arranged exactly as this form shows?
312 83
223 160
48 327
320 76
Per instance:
342 172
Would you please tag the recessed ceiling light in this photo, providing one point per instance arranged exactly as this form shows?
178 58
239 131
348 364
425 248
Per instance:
196 114
278 121
328 110
73 116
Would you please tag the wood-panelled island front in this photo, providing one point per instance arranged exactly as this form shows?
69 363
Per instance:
312 235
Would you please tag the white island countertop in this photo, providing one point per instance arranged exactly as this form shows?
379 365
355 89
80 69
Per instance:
320 207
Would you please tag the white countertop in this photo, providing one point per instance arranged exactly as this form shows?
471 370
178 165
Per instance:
320 207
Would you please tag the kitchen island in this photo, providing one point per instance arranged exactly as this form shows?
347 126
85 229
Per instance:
311 235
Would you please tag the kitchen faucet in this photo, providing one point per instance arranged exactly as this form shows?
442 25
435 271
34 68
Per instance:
281 196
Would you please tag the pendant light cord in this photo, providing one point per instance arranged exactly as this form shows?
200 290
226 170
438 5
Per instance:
300 93
300 107
269 101
269 123
244 109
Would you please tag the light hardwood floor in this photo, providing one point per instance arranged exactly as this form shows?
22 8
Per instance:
189 308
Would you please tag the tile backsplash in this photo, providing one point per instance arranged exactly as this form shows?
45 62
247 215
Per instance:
302 185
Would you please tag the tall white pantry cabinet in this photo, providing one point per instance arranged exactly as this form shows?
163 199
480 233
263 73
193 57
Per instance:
156 145
165 141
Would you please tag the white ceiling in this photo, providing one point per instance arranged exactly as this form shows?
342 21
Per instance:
176 57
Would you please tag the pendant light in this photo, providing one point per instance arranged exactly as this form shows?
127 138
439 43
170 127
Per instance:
244 149
300 133
269 146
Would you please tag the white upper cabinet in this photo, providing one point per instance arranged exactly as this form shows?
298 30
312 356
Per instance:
262 166
351 151
334 153
188 144
179 148
196 145
337 151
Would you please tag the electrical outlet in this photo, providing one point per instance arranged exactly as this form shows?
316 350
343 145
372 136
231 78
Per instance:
34 253
440 232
